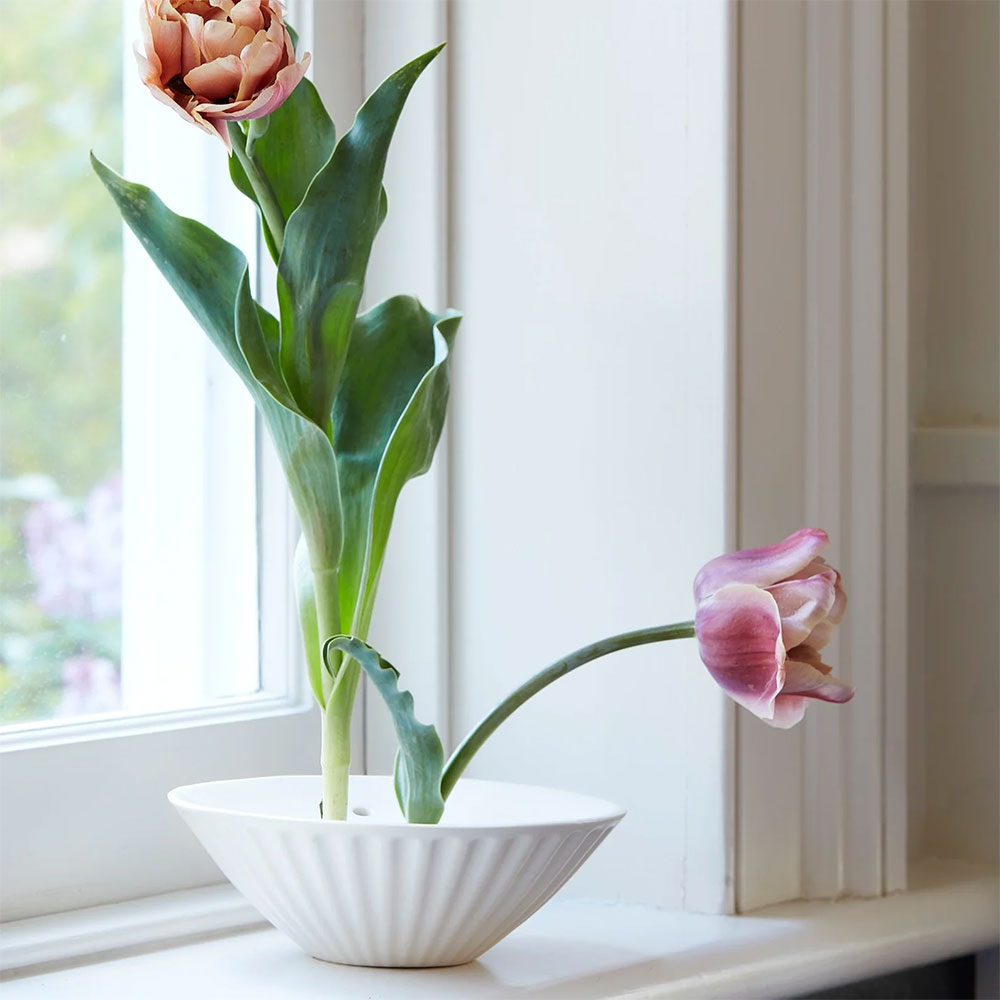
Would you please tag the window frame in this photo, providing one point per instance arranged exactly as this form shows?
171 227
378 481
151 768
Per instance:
85 819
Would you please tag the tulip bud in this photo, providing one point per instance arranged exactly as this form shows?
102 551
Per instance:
763 617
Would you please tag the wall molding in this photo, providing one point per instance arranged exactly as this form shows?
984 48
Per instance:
896 481
830 450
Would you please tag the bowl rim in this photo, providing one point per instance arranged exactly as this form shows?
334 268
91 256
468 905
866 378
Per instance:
601 812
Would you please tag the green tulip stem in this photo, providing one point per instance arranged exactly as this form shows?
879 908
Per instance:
470 745
335 755
339 686
243 148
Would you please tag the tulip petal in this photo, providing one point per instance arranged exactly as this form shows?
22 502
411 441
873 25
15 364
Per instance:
164 9
260 61
194 27
220 129
229 111
166 41
803 604
247 12
270 97
817 565
761 567
220 38
214 10
216 79
807 681
810 655
149 69
819 638
836 615
187 114
788 711
739 638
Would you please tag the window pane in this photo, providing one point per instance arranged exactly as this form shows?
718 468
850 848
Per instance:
127 451
60 364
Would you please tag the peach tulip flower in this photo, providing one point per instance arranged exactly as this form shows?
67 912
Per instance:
215 61
763 617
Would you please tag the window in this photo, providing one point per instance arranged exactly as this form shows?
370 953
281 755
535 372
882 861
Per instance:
127 462
134 651
60 369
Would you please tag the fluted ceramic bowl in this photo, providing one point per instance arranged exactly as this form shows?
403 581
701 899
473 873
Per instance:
375 890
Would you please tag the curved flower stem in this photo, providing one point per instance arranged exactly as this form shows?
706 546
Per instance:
459 760
274 218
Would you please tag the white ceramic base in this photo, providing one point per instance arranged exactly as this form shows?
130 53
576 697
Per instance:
376 891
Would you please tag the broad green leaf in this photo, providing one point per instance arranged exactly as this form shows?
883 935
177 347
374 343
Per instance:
420 760
203 269
299 140
394 349
206 272
328 241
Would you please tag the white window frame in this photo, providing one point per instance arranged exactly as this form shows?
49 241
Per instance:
85 819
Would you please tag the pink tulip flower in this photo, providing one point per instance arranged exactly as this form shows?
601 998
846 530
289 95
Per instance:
763 617
215 61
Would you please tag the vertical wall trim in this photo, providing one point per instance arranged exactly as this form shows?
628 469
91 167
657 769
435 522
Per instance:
863 728
826 197
847 470
846 378
896 428
734 383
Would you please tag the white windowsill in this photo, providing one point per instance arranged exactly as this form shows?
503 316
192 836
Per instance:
569 949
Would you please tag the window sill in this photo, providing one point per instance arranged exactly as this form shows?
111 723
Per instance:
578 949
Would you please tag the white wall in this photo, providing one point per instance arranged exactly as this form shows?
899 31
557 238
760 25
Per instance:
588 449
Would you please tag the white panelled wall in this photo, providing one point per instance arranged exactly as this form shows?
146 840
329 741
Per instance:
588 437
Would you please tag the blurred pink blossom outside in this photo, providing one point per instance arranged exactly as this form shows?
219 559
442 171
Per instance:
76 558
91 685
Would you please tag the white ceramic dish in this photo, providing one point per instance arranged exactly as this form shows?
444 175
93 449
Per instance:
374 890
